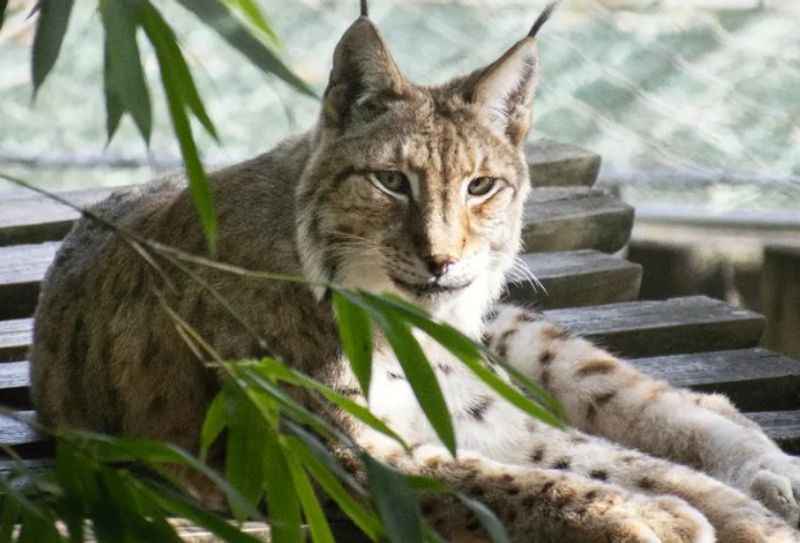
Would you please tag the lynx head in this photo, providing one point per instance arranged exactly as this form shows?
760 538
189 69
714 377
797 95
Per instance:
418 190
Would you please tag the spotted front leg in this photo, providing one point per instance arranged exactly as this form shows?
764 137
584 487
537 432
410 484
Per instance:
605 396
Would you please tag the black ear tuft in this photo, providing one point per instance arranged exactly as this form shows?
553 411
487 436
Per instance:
545 15
364 8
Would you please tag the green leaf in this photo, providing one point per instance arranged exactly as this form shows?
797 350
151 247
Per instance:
272 367
361 516
213 424
167 48
487 518
317 523
160 36
244 454
252 13
123 66
282 501
120 449
50 30
8 518
355 334
3 6
470 353
421 377
114 107
217 16
178 505
396 502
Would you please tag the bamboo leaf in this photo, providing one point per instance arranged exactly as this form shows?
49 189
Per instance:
114 107
252 13
487 518
470 353
272 367
361 516
3 6
9 518
123 66
219 17
160 35
213 424
244 462
421 377
317 523
355 334
395 501
178 505
282 500
119 449
167 48
50 30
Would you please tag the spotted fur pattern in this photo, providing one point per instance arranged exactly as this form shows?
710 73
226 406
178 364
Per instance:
416 191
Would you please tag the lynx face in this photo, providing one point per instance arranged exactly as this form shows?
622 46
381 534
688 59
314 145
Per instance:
417 190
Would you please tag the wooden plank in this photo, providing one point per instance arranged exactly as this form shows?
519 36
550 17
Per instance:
22 268
554 164
780 296
754 379
573 279
650 328
34 219
17 433
634 329
15 385
566 219
782 426
15 338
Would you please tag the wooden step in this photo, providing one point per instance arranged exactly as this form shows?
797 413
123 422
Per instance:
573 278
566 219
554 164
15 338
22 268
754 379
782 426
651 328
556 219
632 329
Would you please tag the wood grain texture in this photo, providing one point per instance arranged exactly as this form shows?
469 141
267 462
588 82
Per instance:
634 329
553 164
780 297
571 279
650 328
22 268
15 338
754 379
575 279
565 219
782 426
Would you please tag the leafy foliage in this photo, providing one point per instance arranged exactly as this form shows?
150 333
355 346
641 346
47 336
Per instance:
277 451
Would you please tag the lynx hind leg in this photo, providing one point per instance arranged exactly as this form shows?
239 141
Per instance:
545 505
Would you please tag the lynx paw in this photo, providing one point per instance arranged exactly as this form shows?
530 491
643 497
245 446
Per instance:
776 484
672 520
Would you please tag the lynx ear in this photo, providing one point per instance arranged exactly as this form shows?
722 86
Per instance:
364 77
503 91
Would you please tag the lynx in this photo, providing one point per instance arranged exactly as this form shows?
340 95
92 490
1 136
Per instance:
418 191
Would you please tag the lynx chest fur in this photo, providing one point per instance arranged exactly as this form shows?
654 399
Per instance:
417 191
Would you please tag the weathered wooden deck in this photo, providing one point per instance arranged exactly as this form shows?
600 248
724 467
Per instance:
570 231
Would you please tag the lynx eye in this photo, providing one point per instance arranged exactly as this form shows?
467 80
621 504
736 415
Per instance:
481 186
392 181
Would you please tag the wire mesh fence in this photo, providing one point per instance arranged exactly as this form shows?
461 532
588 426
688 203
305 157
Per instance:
692 101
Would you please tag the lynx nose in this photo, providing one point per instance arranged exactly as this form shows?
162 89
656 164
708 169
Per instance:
439 264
